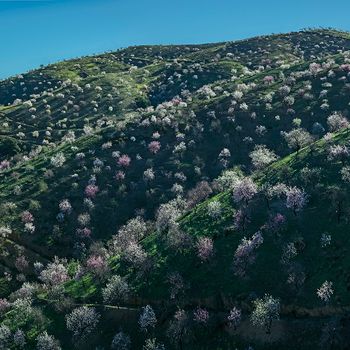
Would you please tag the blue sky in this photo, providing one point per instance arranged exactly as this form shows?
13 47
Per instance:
42 32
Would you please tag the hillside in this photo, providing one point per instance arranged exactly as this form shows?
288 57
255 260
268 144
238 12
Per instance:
183 184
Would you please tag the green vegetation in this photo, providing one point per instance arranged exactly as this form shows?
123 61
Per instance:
196 194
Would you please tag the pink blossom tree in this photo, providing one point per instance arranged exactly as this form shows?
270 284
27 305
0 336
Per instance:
245 253
244 191
154 147
205 248
296 199
91 191
124 161
201 315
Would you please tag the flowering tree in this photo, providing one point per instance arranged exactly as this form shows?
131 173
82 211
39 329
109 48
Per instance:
4 305
168 214
27 217
199 193
19 339
244 191
82 321
58 160
336 122
245 253
289 252
326 291
154 147
297 138
124 161
296 199
201 316
54 274
5 337
268 80
98 265
147 319
276 222
135 254
84 232
152 344
339 152
148 175
120 175
178 240
228 180
241 219
214 209
205 248
116 291
65 206
224 157
265 311
234 318
262 156
177 285
121 341
47 342
21 263
91 191
84 219
131 233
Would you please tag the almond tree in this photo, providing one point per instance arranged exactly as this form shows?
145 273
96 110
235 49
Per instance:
116 291
326 291
19 339
91 191
98 265
244 190
339 152
214 209
337 121
152 344
54 274
47 342
201 316
121 341
234 318
168 213
147 318
154 147
266 310
241 219
82 321
296 199
262 156
245 253
199 193
297 138
5 337
205 248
